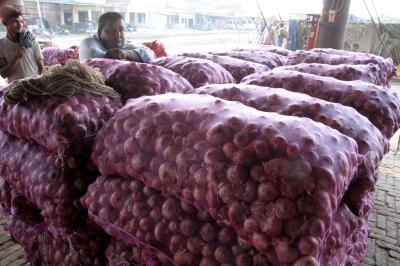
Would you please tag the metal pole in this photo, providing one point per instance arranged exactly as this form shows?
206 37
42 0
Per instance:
40 15
266 23
277 11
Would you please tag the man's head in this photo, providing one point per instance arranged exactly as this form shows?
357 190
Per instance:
355 47
111 30
12 20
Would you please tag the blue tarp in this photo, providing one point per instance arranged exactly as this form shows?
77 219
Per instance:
292 45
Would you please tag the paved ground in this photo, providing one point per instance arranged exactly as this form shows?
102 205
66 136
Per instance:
384 241
10 253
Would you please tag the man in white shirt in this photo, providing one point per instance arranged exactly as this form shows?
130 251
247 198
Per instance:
109 42
17 60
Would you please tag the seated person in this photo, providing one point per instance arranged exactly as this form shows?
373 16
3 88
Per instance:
109 42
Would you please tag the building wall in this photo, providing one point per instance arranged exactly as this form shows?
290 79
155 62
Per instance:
158 15
156 21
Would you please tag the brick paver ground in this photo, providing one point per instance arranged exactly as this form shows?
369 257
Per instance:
384 240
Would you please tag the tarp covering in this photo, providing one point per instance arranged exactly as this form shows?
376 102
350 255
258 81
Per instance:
368 39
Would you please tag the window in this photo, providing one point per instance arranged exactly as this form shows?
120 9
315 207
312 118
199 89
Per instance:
68 18
132 18
95 16
173 19
141 18
83 16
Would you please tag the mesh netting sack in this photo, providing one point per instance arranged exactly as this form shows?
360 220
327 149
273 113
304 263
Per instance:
197 71
245 167
237 67
133 79
379 105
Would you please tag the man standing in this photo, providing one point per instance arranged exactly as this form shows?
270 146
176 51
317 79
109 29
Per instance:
109 42
281 35
20 55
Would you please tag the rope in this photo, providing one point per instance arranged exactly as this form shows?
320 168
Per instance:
60 82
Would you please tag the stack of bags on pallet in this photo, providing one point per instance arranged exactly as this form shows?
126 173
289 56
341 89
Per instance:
198 180
199 170
45 146
288 179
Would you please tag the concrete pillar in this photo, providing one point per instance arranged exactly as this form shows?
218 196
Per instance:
333 23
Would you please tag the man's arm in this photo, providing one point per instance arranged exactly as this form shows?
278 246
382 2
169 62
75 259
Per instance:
139 54
90 48
39 57
10 68
40 65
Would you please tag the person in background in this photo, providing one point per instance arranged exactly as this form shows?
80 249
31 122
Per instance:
281 35
20 54
109 42
355 47
268 36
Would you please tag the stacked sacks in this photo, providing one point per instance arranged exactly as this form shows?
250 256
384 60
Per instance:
267 48
371 144
27 228
229 160
197 71
379 105
133 80
45 145
348 235
56 55
268 59
337 57
163 226
237 67
368 73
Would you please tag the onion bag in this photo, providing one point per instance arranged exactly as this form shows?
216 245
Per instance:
66 126
379 105
133 80
371 144
241 165
237 67
135 213
337 57
369 73
197 71
56 55
268 59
